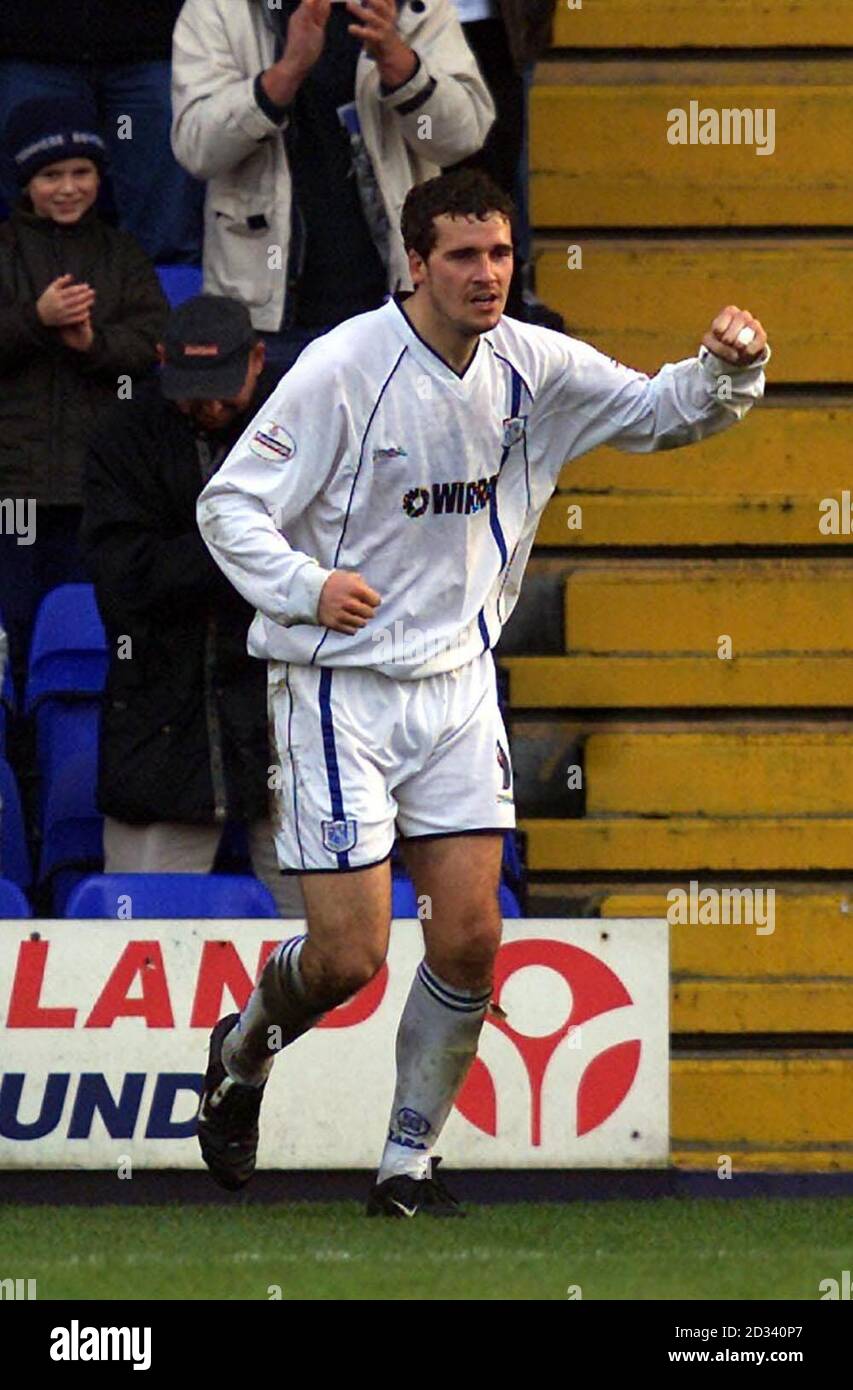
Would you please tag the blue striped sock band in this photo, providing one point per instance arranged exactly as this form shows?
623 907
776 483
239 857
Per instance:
288 962
462 1001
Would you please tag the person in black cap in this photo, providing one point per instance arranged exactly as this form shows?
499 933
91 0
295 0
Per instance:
212 359
184 746
81 310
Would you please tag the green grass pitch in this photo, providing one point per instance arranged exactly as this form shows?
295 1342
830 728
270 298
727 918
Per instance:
671 1248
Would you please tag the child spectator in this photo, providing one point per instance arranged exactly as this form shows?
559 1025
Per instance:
80 308
118 57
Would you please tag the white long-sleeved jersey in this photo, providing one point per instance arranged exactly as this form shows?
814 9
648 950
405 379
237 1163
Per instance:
373 454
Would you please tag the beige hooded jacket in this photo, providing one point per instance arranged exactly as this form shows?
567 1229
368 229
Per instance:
219 133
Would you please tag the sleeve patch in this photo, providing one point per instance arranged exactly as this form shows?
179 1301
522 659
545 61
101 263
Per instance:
272 442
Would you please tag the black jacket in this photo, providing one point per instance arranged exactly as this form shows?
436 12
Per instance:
87 31
51 396
184 734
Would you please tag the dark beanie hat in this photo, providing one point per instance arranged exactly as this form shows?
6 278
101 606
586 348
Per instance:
43 131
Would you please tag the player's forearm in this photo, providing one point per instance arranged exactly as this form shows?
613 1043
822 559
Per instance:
689 401
736 389
282 583
705 397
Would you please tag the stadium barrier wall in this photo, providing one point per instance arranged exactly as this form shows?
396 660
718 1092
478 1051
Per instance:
106 1027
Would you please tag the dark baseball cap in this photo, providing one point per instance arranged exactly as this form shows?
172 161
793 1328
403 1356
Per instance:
208 340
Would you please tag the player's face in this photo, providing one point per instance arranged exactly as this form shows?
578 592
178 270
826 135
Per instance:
468 272
64 191
215 415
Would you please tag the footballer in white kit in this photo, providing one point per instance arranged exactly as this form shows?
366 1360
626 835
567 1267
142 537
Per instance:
379 514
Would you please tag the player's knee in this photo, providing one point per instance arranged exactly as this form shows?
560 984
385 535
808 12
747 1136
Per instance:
470 959
338 976
356 972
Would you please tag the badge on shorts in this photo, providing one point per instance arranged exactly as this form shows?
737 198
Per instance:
514 430
340 835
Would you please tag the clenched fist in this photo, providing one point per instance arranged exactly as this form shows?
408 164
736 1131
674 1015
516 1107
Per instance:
722 337
346 602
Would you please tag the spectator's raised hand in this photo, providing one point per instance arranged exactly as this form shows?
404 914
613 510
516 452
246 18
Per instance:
377 29
306 34
64 303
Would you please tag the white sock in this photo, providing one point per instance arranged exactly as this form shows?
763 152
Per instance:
276 1014
436 1044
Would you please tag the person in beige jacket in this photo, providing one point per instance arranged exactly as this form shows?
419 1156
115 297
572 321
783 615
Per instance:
311 121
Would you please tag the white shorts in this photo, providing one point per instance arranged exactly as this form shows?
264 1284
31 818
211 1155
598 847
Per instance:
362 756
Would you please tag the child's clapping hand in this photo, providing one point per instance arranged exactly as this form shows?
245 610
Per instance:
65 303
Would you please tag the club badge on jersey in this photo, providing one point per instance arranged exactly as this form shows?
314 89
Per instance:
514 430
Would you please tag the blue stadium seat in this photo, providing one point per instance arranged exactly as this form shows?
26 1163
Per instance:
7 698
509 902
179 282
168 896
513 873
13 904
68 656
73 828
65 729
6 706
404 902
14 855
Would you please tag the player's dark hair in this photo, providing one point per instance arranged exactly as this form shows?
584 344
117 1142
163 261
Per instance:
465 193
